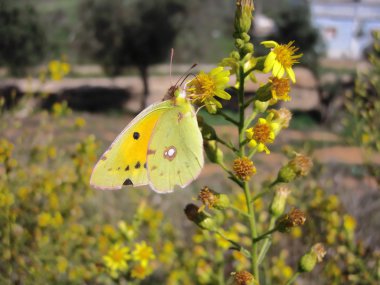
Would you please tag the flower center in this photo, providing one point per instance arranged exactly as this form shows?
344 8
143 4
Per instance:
204 86
261 133
117 256
282 87
285 54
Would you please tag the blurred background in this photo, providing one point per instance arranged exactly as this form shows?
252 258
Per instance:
73 73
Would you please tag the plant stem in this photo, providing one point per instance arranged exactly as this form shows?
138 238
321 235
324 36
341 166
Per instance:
239 211
293 278
247 192
264 235
227 117
229 145
267 242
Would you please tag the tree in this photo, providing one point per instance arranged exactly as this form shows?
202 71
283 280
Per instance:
130 33
22 38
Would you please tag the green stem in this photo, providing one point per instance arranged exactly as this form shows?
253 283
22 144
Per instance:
250 119
247 192
229 145
227 117
293 278
267 242
264 235
239 211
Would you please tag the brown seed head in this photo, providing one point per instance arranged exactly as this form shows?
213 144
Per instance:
301 164
243 278
244 168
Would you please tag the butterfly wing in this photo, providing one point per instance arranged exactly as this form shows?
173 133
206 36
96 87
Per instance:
175 151
124 163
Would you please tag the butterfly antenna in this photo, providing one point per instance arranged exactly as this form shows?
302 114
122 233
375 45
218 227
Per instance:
171 64
186 74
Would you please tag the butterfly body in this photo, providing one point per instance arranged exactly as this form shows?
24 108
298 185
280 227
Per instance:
162 147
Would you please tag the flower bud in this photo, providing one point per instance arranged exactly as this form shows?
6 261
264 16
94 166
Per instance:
208 132
200 218
243 15
239 43
293 219
278 204
235 55
213 199
264 93
245 37
213 152
243 278
260 106
310 259
248 48
286 174
282 116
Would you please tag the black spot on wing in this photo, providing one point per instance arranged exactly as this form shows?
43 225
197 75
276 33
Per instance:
128 182
145 165
127 168
136 135
137 165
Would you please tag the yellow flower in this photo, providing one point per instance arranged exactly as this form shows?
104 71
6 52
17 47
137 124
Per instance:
143 253
261 134
58 69
203 89
140 272
44 219
281 59
280 88
116 258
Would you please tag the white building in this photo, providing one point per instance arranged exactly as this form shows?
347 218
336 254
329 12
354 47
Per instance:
346 25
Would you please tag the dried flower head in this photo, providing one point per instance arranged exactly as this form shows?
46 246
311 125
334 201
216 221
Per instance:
301 164
293 219
282 116
244 168
243 278
208 197
213 199
319 251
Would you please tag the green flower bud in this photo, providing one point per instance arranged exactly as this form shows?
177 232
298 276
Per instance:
235 55
213 152
248 48
245 37
286 174
200 218
239 43
310 259
260 106
278 204
260 63
208 132
243 15
307 262
264 93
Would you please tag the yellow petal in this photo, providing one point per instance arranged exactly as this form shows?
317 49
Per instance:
291 74
269 44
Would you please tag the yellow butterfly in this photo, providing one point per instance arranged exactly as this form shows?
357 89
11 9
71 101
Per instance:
161 147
